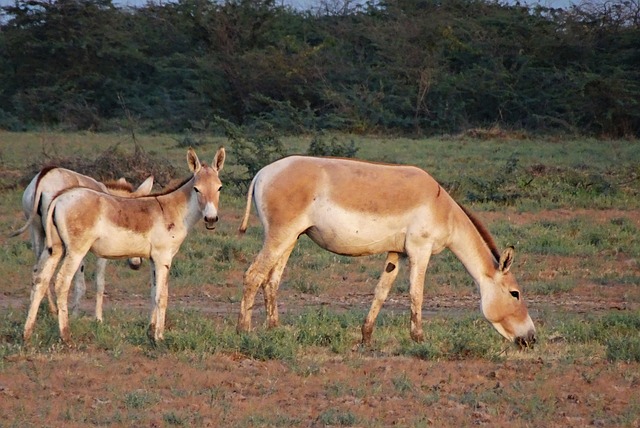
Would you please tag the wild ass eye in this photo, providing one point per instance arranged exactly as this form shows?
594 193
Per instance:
196 190
515 294
219 188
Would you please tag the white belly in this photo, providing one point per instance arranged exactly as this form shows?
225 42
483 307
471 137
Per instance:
121 243
356 233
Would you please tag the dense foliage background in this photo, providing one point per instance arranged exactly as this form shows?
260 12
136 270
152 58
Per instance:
406 66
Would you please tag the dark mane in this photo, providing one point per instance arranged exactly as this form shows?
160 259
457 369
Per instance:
171 187
482 230
119 185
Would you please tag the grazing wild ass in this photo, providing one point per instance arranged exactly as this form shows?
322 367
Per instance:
36 199
82 220
358 208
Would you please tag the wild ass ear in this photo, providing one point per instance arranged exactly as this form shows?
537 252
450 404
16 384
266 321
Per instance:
145 188
193 161
506 259
218 160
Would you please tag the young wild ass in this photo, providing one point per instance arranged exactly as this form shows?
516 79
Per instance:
36 199
82 220
357 208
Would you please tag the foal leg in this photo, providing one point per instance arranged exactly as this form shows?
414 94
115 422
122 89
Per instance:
79 289
70 265
271 289
42 275
389 275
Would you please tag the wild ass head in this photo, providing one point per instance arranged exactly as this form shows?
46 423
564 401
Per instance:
504 307
207 185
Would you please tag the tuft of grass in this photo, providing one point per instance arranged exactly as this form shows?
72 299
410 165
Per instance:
625 348
402 384
275 344
323 328
139 399
337 417
455 339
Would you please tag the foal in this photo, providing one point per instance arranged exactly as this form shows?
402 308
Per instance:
36 199
82 220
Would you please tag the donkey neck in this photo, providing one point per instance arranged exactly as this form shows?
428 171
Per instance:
180 204
473 246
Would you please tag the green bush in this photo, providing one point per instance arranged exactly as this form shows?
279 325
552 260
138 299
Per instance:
335 148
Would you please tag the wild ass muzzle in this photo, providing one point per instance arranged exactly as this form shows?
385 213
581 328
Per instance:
36 199
82 220
358 208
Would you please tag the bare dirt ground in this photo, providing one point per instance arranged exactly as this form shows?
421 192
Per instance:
138 387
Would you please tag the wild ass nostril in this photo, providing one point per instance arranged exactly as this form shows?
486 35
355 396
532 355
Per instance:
211 219
527 341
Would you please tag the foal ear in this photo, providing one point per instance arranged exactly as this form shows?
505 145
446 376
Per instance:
506 259
218 160
193 161
145 188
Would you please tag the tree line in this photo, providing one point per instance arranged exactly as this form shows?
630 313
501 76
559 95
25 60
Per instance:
415 67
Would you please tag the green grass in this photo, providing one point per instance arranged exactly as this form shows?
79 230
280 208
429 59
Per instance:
446 338
579 236
540 173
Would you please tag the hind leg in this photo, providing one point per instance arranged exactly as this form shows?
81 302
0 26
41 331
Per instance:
79 289
387 278
37 244
271 288
256 276
42 277
101 267
70 265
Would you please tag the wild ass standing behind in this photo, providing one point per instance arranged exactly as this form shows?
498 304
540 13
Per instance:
36 199
358 208
153 227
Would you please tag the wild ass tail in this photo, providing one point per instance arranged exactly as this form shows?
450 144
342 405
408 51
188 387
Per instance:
32 215
23 228
51 228
247 211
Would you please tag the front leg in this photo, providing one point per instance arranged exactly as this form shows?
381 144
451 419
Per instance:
70 264
79 289
416 291
387 278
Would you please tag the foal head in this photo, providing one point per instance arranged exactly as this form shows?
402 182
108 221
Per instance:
207 185
504 306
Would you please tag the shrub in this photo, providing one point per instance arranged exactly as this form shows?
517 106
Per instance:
319 147
252 152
